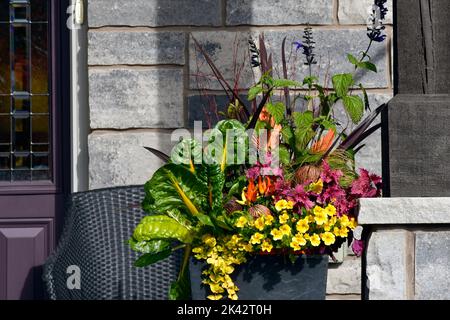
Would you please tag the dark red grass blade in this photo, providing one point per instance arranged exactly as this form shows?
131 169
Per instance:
220 77
285 75
164 157
357 135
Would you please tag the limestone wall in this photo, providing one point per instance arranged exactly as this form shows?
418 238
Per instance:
141 84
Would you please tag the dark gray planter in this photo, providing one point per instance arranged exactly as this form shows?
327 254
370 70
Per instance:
272 278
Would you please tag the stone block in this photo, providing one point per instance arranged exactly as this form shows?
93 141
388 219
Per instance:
135 47
154 13
136 98
345 278
404 211
119 159
386 265
432 273
357 11
332 47
275 12
419 146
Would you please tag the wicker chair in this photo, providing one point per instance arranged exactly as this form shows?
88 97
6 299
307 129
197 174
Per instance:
98 224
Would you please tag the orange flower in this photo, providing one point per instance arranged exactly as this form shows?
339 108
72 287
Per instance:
264 115
274 136
262 186
324 143
251 192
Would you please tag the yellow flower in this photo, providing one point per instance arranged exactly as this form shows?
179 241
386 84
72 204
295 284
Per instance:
285 229
233 296
353 224
306 236
284 205
316 187
343 232
209 240
247 247
337 231
215 297
326 226
216 288
315 240
331 210
266 246
283 218
328 238
310 218
269 220
259 224
276 234
299 239
256 238
320 216
344 221
241 222
295 246
303 225
235 239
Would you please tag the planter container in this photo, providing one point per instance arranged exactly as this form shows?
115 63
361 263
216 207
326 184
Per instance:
268 277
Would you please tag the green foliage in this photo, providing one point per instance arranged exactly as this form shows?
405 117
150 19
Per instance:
366 97
285 155
342 83
303 119
362 64
310 81
153 246
354 106
277 111
174 186
227 139
254 92
288 135
181 288
282 83
151 258
160 227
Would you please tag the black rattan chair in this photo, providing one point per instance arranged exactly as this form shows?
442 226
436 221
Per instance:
98 224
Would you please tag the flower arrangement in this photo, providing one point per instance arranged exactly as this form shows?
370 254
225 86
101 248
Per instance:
271 181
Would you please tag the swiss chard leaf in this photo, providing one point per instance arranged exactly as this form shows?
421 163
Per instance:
160 227
151 258
176 187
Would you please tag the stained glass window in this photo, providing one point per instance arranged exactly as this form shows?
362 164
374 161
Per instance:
24 91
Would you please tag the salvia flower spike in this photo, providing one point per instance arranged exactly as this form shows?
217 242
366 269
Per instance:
375 25
254 53
308 46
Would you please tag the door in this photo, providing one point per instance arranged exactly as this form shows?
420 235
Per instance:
34 146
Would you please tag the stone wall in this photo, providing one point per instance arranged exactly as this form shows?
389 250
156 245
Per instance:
408 252
142 64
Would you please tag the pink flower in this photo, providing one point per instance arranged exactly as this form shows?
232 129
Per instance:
330 176
358 247
253 173
299 196
366 186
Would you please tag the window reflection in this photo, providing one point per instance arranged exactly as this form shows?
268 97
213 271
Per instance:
24 91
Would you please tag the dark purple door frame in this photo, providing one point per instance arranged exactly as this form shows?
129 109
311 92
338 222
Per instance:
32 213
